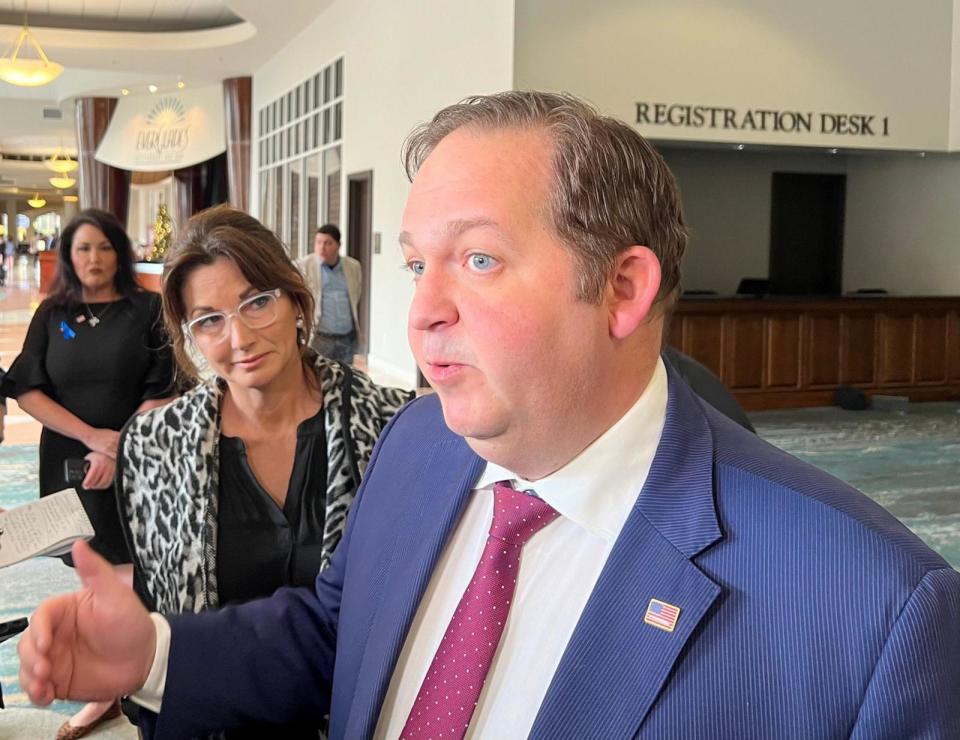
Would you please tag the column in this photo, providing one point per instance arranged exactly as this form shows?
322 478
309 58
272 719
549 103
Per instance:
11 209
101 186
237 95
67 214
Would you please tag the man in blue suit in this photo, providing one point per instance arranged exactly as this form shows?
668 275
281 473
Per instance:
652 570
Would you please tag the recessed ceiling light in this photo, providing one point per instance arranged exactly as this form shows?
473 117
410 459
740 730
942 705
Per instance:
152 88
124 91
181 84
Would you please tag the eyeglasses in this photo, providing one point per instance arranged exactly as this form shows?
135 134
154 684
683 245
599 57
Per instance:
256 312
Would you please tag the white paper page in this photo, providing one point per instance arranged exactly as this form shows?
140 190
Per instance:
45 527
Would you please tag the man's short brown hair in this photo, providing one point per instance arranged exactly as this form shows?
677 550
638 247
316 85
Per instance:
611 189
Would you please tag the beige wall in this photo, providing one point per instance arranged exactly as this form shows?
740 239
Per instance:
903 224
726 202
886 57
403 61
901 231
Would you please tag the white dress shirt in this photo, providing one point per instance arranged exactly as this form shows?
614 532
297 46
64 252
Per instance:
559 568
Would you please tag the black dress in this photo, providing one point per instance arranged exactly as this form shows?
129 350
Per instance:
261 546
101 374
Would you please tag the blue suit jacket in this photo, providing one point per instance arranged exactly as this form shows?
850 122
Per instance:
806 610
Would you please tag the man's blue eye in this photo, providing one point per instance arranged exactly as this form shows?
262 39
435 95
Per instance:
481 262
416 267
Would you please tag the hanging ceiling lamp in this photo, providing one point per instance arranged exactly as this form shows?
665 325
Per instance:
63 182
27 72
36 201
61 162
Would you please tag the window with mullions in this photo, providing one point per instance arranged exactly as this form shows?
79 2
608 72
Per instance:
299 155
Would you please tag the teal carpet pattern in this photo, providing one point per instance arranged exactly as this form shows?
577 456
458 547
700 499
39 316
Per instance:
24 585
909 463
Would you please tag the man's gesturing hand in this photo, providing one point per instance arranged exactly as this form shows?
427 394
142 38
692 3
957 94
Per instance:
91 645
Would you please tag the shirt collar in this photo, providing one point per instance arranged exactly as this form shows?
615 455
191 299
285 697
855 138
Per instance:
598 488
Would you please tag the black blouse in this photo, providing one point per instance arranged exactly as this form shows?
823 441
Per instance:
100 373
261 547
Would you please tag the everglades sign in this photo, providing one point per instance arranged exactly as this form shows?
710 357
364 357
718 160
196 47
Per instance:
718 118
153 133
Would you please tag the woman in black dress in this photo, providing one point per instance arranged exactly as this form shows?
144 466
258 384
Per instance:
94 355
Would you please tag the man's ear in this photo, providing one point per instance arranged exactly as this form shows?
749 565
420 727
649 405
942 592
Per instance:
632 289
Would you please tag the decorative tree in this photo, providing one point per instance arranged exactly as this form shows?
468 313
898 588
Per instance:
162 234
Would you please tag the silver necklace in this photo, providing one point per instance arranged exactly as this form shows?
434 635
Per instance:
95 318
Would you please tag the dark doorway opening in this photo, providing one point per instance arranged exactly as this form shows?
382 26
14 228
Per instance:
359 237
806 233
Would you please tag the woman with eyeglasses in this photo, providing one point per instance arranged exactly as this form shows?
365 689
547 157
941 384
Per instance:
243 484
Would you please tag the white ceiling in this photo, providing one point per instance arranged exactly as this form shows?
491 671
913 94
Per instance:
106 45
132 15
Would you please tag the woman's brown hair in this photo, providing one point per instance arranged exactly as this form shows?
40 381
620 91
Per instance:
260 256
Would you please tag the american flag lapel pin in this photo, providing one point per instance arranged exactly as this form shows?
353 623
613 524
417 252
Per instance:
661 614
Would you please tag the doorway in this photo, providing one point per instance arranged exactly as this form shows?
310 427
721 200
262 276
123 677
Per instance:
806 233
359 237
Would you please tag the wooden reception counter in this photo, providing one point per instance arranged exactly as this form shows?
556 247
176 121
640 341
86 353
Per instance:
792 352
149 274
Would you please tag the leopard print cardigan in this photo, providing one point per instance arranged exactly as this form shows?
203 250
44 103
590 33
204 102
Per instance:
167 482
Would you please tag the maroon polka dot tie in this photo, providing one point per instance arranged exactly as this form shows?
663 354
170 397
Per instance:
453 683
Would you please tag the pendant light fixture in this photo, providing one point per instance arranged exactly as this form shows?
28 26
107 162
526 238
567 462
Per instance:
62 182
61 162
36 201
27 72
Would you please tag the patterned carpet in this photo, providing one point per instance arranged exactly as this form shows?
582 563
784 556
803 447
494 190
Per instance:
910 463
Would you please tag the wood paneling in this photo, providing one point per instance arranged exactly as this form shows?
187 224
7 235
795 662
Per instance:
823 354
953 347
931 350
783 353
675 335
48 270
857 343
896 349
743 354
703 339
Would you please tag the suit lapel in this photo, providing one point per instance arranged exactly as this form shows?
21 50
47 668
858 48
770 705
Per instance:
616 664
437 501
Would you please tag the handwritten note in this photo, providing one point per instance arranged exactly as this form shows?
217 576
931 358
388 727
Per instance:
45 527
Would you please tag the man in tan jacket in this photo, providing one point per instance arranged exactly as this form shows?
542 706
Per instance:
335 281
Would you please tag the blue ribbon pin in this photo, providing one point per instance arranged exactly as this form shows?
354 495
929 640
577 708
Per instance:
67 332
